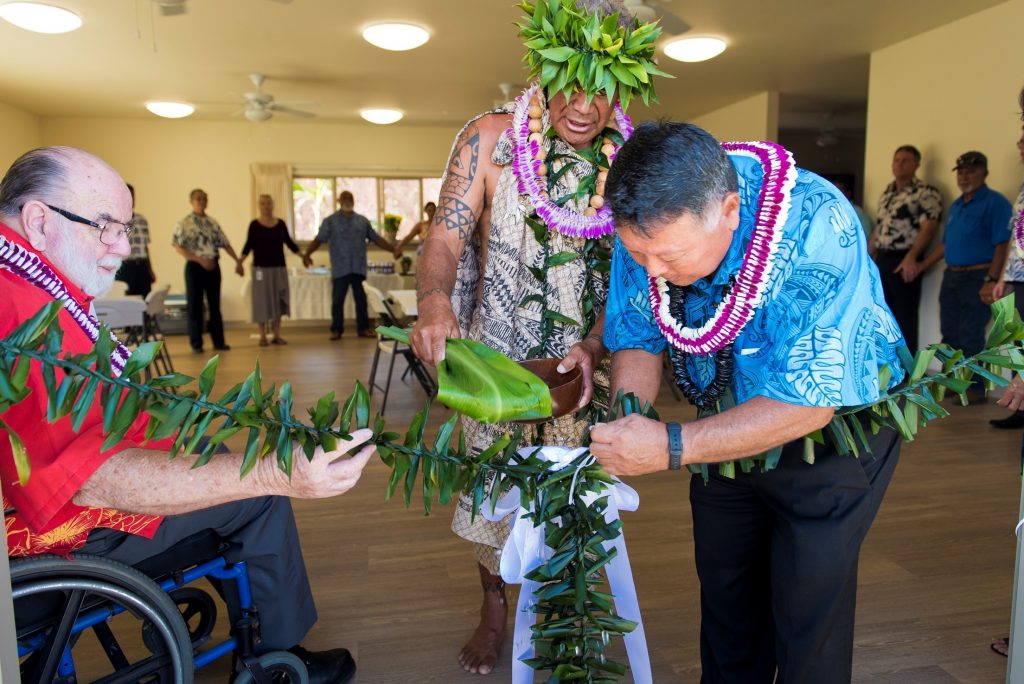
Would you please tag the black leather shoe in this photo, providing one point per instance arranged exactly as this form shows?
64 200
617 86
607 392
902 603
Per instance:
1012 422
222 347
327 667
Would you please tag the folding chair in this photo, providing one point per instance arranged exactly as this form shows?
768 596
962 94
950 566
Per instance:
386 315
155 306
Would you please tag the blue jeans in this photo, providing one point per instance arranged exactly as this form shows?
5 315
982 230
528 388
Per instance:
338 292
962 314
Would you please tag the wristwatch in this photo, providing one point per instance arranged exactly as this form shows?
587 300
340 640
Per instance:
990 279
675 445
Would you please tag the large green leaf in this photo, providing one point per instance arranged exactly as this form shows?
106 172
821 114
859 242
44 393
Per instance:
485 384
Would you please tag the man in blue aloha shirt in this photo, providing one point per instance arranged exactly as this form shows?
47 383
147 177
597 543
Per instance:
777 543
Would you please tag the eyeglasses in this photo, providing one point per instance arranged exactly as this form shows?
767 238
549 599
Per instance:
110 231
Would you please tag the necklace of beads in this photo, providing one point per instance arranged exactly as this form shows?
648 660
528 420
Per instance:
30 267
738 306
704 399
529 164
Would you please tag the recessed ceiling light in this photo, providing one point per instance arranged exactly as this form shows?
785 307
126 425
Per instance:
170 110
396 36
697 49
34 16
381 116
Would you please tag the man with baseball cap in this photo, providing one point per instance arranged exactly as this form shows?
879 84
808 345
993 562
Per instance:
974 247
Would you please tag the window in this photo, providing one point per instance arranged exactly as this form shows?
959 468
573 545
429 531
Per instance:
316 198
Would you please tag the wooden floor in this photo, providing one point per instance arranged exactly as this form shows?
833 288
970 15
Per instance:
400 591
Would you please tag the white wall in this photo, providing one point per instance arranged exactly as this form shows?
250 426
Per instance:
165 160
947 91
755 118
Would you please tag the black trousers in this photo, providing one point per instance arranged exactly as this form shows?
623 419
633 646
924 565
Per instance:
200 283
338 293
904 299
777 555
264 531
135 272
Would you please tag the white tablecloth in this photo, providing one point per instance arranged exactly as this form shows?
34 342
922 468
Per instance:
406 299
311 293
120 312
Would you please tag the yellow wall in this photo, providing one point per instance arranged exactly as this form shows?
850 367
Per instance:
755 118
164 160
947 91
20 133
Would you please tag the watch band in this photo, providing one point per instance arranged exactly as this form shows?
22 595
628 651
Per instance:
675 445
990 279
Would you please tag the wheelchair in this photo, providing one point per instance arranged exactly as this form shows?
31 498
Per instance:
149 625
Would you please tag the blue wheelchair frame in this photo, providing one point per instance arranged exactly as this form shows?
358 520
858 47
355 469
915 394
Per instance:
218 568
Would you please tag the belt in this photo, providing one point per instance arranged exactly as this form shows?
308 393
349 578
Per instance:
965 269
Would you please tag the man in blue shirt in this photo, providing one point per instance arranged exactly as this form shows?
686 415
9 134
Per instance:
346 234
765 268
974 246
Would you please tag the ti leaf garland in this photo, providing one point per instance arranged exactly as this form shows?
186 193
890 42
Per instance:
576 618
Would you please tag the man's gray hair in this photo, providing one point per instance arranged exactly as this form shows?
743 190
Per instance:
606 7
41 173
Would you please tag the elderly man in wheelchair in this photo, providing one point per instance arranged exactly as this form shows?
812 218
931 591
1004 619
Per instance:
104 516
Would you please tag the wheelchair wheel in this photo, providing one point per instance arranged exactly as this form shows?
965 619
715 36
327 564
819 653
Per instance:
56 599
197 610
282 666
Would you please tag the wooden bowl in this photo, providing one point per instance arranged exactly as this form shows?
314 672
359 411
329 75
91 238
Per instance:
566 388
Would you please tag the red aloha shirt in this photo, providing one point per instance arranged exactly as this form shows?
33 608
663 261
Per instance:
44 519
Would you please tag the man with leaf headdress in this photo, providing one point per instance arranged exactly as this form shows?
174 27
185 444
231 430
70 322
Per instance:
518 252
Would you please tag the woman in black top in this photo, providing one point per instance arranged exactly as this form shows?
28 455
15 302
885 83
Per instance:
266 240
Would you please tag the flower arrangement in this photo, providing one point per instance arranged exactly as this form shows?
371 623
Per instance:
405 263
391 223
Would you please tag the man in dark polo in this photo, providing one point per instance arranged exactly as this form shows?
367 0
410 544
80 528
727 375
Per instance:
974 247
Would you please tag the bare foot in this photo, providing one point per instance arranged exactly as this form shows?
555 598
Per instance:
480 654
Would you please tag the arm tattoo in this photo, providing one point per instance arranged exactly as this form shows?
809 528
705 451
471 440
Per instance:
462 167
454 214
423 294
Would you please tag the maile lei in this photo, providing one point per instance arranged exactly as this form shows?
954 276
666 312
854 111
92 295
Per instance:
30 267
533 164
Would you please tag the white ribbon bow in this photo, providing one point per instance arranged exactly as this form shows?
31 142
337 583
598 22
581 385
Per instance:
525 550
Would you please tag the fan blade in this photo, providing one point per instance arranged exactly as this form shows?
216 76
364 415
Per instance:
672 25
172 10
277 108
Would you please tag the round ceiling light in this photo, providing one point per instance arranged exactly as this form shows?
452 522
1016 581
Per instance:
382 116
170 110
40 18
396 37
697 49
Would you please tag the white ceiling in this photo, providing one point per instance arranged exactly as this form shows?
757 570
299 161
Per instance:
815 52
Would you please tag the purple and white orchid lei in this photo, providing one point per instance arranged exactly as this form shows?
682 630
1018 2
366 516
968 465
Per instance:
31 268
525 164
1018 229
738 307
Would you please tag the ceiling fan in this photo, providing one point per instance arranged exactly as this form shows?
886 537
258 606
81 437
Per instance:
260 106
169 8
649 10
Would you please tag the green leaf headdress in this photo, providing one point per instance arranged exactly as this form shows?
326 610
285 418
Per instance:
570 48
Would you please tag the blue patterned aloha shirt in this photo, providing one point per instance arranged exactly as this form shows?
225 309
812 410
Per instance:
824 330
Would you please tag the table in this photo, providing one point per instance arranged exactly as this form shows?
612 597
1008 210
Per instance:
311 293
406 299
120 312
